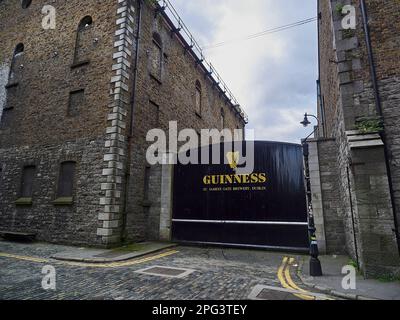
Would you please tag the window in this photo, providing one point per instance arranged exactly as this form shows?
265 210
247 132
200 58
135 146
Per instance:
198 98
19 49
16 64
28 176
154 115
66 180
76 102
84 41
156 57
26 3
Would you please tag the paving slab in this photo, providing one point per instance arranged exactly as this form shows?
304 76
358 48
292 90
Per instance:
331 281
112 255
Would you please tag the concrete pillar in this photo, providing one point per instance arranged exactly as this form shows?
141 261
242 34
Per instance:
316 190
166 202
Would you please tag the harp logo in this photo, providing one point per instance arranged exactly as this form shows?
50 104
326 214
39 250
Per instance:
233 159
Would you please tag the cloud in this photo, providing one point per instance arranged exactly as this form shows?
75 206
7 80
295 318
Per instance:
273 77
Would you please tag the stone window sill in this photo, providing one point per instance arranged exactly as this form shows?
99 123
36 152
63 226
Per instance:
80 64
65 201
24 202
157 79
146 204
12 85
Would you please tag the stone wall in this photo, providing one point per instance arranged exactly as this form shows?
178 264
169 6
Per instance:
345 67
36 128
332 207
377 245
43 123
70 224
39 114
384 26
158 101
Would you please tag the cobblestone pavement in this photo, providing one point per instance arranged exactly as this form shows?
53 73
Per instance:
220 274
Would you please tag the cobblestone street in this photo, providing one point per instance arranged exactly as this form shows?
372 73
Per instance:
219 274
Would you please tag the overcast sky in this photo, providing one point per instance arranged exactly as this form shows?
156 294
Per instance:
273 77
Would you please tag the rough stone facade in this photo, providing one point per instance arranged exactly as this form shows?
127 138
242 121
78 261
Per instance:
327 209
69 96
158 101
362 221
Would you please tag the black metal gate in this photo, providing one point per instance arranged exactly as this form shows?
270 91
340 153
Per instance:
266 209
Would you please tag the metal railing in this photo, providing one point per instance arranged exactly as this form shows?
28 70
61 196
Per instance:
178 26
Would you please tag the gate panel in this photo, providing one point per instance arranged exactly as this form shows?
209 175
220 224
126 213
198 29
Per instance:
207 208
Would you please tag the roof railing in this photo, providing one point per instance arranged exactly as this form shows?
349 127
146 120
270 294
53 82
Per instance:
166 8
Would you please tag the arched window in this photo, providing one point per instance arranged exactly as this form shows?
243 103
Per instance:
16 64
156 56
19 49
198 98
85 23
84 40
26 3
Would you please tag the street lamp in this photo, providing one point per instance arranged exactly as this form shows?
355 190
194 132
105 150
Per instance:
315 263
305 122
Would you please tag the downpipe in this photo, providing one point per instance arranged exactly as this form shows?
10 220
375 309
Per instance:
132 118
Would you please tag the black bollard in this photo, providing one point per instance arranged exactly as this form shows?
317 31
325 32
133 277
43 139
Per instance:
315 263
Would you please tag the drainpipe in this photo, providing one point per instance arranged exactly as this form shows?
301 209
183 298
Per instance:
133 96
380 113
321 103
352 217
133 104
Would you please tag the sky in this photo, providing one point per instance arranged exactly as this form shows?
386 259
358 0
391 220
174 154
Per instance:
273 77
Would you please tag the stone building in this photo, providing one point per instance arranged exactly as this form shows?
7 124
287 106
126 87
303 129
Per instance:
355 158
76 103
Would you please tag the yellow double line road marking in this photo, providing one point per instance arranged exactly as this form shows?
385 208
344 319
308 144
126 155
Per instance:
288 283
92 265
25 258
123 263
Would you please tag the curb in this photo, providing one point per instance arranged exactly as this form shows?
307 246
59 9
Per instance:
330 291
112 260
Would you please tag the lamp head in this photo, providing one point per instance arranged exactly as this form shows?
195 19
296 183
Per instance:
305 122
